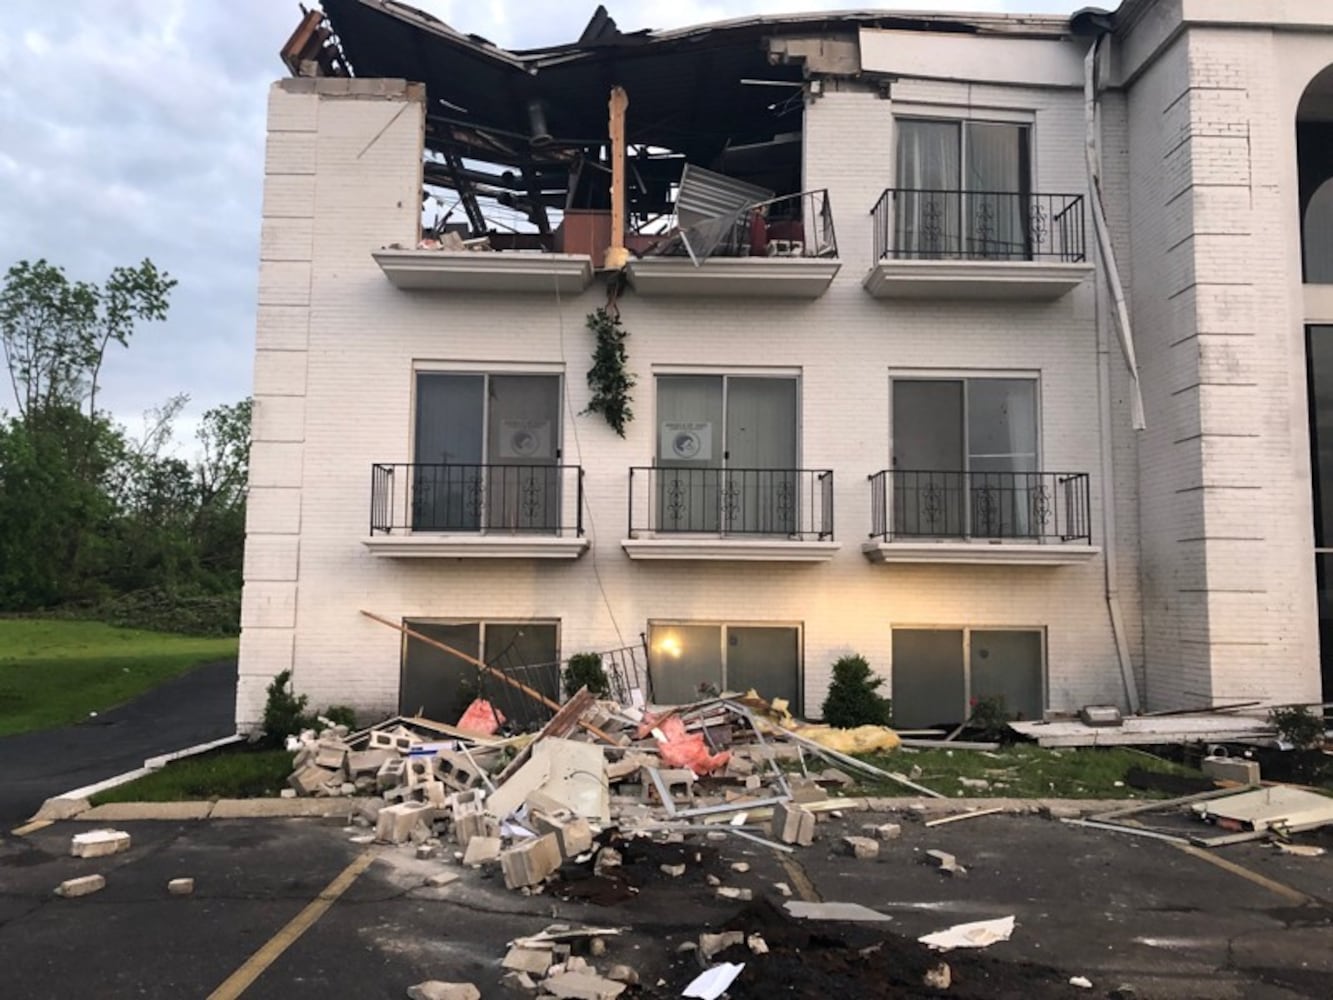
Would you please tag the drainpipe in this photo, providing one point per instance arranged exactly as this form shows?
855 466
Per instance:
1120 311
616 254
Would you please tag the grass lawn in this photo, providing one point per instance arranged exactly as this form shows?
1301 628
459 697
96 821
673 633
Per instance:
54 672
1025 771
222 774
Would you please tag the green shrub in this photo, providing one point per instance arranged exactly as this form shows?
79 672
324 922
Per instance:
340 715
852 697
1298 726
284 711
989 717
183 612
585 670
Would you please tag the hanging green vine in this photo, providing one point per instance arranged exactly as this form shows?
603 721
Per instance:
608 379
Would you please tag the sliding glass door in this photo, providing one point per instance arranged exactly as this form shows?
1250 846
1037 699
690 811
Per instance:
486 453
963 190
728 454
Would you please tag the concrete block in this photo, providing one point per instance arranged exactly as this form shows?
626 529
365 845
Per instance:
518 982
181 886
418 769
531 861
582 986
392 773
731 892
946 862
431 792
99 843
572 833
84 886
862 848
711 944
440 879
471 819
792 824
1246 772
456 771
395 824
623 974
311 778
481 850
435 990
882 831
369 762
533 961
398 739
331 754
61 808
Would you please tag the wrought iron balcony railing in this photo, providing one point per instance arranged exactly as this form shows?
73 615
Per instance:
786 503
495 499
913 224
1053 507
793 225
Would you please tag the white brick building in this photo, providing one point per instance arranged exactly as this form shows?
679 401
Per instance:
903 449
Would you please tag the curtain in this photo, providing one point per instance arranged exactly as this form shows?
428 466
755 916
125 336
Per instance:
995 207
927 214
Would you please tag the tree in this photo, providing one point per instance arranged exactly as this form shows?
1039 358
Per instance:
853 699
56 332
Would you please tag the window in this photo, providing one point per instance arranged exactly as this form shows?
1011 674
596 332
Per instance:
937 673
964 190
727 451
965 457
440 686
687 656
487 453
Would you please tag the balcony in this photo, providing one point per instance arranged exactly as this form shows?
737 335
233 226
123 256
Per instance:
476 511
980 518
977 245
777 248
486 271
745 515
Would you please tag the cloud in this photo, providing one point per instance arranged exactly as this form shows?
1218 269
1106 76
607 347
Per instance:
136 129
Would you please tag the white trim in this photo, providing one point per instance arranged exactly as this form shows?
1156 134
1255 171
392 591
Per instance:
430 546
974 280
712 549
486 272
752 371
431 366
980 553
739 277
149 766
952 111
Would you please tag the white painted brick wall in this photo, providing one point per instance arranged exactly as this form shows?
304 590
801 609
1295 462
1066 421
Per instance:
1213 606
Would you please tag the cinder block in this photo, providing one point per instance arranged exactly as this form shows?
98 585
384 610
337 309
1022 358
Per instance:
456 771
366 761
331 754
862 848
181 886
310 779
83 886
399 739
531 861
793 824
392 773
481 850
572 833
99 843
1232 769
395 823
471 819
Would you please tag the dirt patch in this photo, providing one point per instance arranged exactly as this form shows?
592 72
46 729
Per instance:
832 961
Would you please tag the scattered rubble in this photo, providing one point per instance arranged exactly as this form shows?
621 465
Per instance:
86 885
181 887
99 843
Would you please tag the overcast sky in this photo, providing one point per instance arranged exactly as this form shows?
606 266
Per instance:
136 128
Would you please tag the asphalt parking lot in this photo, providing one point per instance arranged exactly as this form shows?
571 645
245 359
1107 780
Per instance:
1117 910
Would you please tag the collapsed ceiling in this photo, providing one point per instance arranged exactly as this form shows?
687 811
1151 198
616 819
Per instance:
527 129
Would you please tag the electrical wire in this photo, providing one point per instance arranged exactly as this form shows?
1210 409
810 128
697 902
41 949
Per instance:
578 450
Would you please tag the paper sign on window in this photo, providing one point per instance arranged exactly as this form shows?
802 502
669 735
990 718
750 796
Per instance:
525 438
687 441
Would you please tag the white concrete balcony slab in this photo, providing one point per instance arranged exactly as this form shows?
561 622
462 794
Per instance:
715 549
482 271
980 553
739 277
951 280
444 546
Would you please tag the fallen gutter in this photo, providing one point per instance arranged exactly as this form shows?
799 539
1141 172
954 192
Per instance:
1106 256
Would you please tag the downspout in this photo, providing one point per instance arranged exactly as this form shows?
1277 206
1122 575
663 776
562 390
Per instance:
1115 288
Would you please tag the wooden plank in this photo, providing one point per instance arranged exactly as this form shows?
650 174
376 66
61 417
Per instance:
967 815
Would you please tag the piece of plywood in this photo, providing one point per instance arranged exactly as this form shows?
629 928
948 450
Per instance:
1144 731
1280 807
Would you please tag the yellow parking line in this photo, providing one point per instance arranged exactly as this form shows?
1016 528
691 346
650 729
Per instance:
800 880
1285 891
33 827
240 980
